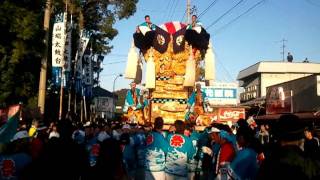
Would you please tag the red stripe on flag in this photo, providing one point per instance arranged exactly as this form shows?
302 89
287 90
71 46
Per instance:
177 25
170 28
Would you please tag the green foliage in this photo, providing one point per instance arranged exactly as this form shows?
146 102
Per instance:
20 49
21 39
99 17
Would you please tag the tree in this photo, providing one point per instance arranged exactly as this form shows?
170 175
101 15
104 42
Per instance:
99 18
20 50
21 39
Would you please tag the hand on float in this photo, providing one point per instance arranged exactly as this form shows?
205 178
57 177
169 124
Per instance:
207 150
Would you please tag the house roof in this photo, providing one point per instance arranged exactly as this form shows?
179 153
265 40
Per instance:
100 92
279 67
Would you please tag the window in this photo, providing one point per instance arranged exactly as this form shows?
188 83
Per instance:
209 92
218 92
228 93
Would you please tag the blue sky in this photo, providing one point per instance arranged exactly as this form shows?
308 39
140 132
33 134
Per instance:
253 37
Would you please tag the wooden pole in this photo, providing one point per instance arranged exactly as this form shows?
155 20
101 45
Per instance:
44 60
188 12
75 103
150 106
61 96
85 107
81 111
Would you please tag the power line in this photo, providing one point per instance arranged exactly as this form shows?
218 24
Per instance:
169 12
173 10
155 11
117 62
206 10
123 55
238 17
109 74
164 15
223 67
184 15
224 14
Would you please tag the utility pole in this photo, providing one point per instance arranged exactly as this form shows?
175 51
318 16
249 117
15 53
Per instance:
283 46
44 60
188 11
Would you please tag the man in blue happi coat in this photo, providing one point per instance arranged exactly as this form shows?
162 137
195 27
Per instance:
155 152
196 103
180 153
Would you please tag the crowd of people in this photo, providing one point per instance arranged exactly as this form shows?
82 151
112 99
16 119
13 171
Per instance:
127 151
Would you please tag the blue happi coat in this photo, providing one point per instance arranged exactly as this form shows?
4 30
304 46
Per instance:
180 152
192 98
140 145
151 26
194 161
155 152
129 101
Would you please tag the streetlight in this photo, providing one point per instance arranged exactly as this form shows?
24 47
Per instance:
114 102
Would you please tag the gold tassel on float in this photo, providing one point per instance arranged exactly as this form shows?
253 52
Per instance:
190 76
209 61
151 72
132 63
138 78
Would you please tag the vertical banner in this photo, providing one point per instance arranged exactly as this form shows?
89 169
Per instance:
84 40
67 51
88 76
56 76
87 70
58 41
58 46
67 54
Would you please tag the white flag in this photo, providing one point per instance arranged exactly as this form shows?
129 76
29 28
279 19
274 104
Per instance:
58 41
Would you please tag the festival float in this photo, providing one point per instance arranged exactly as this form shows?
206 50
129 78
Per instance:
173 53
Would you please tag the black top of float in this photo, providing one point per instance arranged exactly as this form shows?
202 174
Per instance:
159 37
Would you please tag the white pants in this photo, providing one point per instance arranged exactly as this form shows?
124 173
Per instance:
149 175
174 177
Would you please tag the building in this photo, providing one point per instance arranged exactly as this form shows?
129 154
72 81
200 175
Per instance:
296 96
256 78
300 97
103 103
